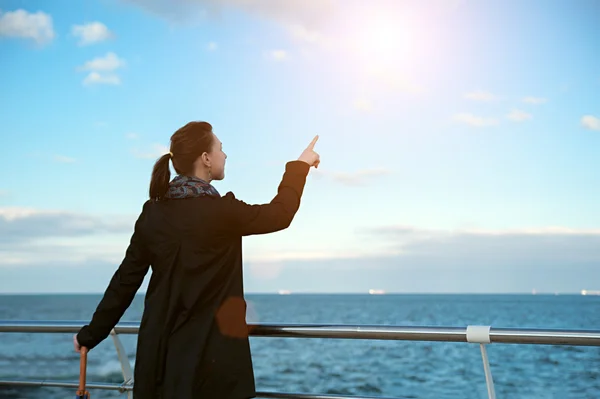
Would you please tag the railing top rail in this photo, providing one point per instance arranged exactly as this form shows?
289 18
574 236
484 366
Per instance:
377 332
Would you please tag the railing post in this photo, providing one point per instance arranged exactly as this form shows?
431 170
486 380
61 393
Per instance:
124 360
481 336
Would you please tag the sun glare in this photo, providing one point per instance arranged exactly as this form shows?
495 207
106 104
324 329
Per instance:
384 41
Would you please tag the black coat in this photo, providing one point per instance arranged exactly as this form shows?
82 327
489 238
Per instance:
193 339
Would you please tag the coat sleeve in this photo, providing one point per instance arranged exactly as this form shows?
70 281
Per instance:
244 219
120 292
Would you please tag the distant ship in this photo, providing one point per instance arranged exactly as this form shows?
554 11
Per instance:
376 292
590 292
284 292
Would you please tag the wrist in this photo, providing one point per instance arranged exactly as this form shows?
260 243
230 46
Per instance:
298 166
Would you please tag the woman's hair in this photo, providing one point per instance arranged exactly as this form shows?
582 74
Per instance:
187 144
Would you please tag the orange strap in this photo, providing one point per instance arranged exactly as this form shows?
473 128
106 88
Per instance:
82 372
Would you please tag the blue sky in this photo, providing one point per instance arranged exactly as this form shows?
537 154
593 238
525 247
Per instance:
459 139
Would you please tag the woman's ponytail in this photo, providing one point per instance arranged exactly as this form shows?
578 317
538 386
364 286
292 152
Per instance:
161 176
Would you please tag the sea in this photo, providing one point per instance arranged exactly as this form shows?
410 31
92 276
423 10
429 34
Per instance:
397 369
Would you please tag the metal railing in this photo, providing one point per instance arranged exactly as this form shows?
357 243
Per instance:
482 335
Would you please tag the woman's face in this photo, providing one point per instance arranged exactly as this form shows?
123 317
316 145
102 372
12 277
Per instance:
217 159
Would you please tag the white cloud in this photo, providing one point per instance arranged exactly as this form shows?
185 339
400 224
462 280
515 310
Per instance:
278 55
475 121
212 46
155 152
303 34
102 70
303 20
33 236
548 243
109 62
518 116
22 225
535 100
307 12
357 178
22 24
64 159
132 136
97 78
391 78
481 95
363 105
93 32
590 122
413 259
268 269
274 256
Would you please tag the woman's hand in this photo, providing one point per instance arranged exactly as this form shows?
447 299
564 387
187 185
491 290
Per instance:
309 155
76 344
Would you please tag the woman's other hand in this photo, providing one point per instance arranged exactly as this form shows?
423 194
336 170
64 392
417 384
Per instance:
76 344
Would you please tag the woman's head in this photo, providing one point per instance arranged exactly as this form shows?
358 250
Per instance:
196 151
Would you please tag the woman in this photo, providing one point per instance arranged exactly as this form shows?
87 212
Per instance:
193 338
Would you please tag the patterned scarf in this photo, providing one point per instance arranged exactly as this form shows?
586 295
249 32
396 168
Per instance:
188 187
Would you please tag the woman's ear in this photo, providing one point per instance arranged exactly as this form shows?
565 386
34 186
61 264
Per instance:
205 159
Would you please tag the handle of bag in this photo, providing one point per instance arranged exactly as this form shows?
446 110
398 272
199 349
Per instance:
82 372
